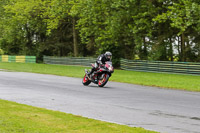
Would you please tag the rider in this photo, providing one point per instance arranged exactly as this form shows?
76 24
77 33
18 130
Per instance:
101 60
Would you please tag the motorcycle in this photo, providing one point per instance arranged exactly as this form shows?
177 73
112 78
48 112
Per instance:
100 76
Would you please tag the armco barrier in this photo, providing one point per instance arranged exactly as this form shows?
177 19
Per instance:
161 66
83 61
133 65
21 59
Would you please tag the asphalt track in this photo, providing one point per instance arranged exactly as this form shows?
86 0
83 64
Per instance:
166 111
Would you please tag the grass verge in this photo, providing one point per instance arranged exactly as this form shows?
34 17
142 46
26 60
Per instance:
173 81
19 118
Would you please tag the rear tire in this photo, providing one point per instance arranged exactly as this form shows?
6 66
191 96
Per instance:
103 82
86 81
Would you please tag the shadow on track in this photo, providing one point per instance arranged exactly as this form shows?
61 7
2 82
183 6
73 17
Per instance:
105 87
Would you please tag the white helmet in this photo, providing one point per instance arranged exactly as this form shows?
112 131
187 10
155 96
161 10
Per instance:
108 55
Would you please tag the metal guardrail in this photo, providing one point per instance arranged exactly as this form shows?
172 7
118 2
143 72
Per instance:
161 66
133 65
83 61
21 59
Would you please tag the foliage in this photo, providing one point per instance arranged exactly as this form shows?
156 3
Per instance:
150 30
1 52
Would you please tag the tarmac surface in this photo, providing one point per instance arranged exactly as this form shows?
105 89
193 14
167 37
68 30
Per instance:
162 110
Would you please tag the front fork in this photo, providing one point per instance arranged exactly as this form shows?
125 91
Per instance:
86 72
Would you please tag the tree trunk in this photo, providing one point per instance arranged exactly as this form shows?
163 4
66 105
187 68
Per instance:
179 52
29 41
171 50
145 49
75 38
188 51
183 57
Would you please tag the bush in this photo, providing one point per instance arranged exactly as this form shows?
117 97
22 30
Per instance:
1 52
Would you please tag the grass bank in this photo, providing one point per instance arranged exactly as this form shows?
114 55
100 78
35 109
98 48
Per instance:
173 81
20 118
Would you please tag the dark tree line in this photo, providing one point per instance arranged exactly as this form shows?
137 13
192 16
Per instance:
165 30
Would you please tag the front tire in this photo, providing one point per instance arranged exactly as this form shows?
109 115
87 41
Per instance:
86 81
103 81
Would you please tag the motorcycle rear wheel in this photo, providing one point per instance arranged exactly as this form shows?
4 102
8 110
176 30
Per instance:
86 81
103 81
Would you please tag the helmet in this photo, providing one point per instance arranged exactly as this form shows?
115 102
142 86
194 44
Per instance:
108 55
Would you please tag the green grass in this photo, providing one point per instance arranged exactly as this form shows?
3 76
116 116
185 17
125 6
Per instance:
173 81
61 70
163 80
18 118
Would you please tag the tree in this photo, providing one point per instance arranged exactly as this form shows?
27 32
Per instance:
23 24
183 15
57 14
146 29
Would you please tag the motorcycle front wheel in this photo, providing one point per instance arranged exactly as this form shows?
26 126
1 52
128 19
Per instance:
104 80
86 81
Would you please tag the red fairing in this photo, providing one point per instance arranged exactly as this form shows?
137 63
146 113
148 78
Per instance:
85 79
